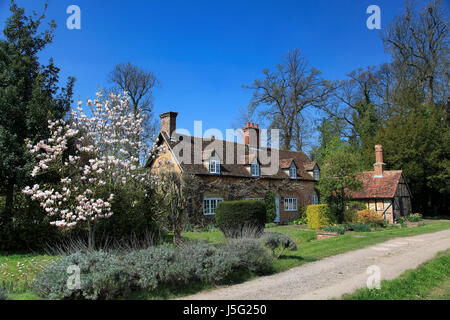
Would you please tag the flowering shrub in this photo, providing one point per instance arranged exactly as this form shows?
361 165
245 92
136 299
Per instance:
89 156
370 217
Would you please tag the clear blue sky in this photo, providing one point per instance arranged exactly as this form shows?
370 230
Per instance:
204 51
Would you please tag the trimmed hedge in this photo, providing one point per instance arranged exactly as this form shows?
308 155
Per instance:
236 218
319 216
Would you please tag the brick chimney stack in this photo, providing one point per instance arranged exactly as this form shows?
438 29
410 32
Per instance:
379 164
251 135
169 122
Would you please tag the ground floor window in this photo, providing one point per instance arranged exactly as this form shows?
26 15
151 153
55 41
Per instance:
210 205
254 199
290 204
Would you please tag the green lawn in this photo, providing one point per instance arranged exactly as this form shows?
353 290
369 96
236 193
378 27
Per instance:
17 271
314 250
431 281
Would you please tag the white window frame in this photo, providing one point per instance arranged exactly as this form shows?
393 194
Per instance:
316 174
208 211
290 204
214 166
254 199
315 199
256 167
293 172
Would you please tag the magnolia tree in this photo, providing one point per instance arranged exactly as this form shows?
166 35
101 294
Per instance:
90 155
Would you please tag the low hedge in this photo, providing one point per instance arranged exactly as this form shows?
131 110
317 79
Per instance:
237 218
106 275
319 216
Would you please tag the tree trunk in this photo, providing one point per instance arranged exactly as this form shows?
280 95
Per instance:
91 235
430 90
177 229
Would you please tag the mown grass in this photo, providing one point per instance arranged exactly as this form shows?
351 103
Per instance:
20 270
431 281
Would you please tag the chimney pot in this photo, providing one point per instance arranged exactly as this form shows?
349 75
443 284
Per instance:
248 124
251 135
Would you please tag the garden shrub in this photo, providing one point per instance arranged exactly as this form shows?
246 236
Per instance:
319 216
415 217
234 217
153 266
102 276
370 217
107 276
3 294
134 215
351 211
29 230
250 253
197 260
274 241
337 228
359 227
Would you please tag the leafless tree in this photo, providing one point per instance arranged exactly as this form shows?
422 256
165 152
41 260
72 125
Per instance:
419 42
282 95
139 84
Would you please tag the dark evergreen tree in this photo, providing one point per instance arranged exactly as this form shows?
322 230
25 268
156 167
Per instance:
29 97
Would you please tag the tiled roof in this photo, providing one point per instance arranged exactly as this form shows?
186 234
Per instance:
378 187
237 168
286 163
310 166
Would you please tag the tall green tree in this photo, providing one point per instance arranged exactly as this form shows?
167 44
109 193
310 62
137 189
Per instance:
29 97
419 144
338 179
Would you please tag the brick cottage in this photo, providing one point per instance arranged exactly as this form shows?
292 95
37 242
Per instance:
290 174
385 191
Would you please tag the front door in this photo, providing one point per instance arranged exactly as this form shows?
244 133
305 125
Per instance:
277 203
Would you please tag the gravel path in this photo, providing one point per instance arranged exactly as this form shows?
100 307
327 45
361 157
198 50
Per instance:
333 276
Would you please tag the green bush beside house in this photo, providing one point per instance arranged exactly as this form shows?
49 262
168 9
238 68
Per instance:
235 218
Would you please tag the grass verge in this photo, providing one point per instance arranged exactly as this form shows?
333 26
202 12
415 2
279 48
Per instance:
431 281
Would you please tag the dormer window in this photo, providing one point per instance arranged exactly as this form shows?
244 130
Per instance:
293 172
214 166
255 170
316 174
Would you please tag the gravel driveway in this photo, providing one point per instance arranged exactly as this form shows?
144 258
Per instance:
333 276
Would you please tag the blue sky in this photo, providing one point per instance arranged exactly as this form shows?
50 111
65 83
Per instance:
204 51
